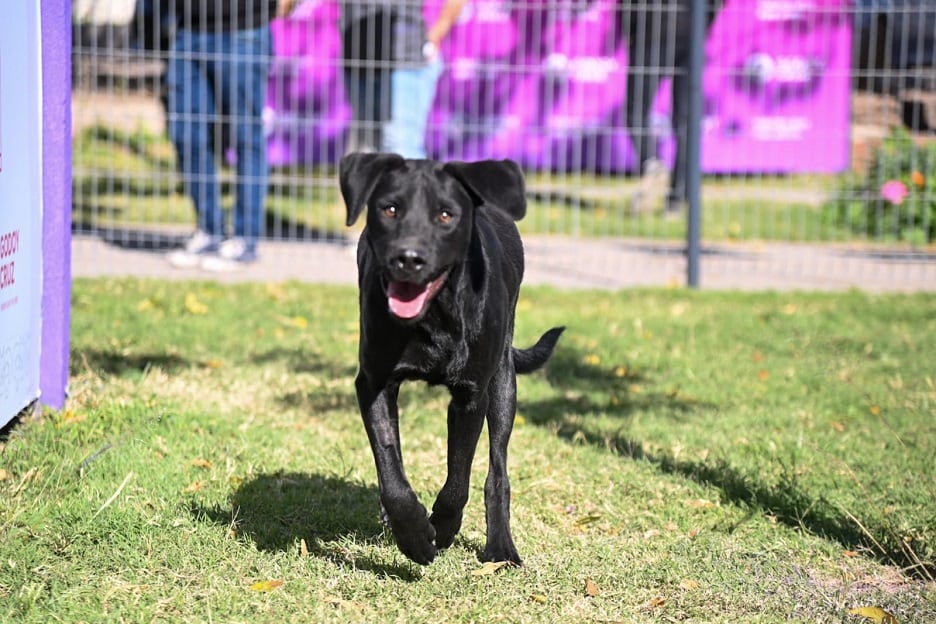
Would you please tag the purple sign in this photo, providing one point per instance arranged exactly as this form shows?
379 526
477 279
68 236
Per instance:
544 83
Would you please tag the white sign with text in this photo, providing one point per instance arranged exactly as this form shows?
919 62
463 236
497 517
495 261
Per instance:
20 206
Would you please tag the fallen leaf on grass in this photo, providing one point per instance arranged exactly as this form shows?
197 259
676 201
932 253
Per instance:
875 614
591 588
265 586
655 603
837 426
538 598
69 416
303 548
299 322
346 604
193 305
699 502
586 520
201 463
688 584
194 486
489 567
4 475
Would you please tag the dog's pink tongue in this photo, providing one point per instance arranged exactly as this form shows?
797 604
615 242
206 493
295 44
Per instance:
407 299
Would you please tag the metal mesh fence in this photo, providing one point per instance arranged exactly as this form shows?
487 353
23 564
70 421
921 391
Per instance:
818 148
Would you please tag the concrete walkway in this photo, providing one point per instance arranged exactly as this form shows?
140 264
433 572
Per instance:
564 262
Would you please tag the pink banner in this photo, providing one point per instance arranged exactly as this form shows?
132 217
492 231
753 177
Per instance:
546 86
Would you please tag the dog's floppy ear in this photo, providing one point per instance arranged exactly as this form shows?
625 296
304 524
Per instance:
358 174
496 182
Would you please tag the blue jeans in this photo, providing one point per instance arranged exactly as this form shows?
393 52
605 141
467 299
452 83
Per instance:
221 78
412 92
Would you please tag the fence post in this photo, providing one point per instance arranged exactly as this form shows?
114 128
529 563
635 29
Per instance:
694 143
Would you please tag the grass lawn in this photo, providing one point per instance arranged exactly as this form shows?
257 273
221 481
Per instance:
128 181
685 456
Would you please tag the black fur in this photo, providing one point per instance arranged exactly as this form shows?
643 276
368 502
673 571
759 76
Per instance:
439 268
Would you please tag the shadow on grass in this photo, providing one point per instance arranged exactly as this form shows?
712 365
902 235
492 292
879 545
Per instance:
785 500
331 514
119 364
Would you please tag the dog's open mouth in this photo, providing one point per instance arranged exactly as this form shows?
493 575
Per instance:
408 300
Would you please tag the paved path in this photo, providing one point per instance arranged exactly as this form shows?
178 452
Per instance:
565 262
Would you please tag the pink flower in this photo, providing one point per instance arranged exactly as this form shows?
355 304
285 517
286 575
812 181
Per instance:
894 191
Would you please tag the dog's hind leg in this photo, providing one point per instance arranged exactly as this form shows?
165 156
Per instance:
502 408
465 421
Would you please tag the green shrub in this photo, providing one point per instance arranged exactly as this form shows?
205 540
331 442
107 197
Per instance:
896 199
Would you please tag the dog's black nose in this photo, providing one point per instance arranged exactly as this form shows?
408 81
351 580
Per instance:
409 260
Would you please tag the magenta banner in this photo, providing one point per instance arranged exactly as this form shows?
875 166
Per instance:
544 83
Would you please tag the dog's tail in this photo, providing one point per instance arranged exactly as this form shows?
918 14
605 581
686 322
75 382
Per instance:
528 360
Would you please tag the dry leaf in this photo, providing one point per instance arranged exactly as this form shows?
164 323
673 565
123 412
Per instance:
688 584
538 598
875 410
590 518
875 614
265 586
201 463
763 375
346 604
193 305
850 553
71 417
693 532
650 534
699 502
592 359
303 548
299 322
837 426
656 602
591 588
489 567
194 486
4 475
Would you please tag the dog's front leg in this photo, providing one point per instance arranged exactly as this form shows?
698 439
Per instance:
500 417
465 421
407 517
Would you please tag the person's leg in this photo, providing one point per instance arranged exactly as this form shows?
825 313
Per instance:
243 72
412 92
191 109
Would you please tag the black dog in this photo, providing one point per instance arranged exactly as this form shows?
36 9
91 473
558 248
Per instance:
439 270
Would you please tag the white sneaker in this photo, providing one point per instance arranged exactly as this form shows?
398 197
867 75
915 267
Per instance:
198 246
652 187
233 254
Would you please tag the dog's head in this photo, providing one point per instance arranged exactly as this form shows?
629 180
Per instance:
420 217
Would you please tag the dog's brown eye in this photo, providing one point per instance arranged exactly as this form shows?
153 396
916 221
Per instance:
446 217
390 211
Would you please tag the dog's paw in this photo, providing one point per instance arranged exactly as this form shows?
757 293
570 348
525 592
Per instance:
417 543
446 528
502 550
415 535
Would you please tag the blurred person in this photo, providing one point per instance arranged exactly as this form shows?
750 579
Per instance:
658 37
219 59
405 61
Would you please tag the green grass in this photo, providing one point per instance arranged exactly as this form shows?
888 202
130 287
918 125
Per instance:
127 181
685 456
